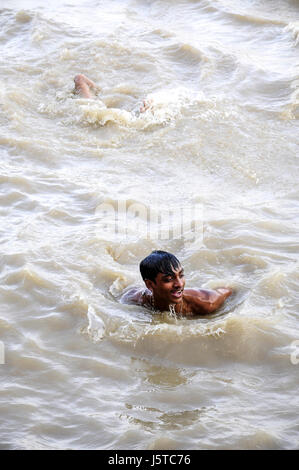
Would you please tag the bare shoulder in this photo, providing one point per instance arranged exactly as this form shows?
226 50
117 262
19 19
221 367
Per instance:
199 294
134 295
207 294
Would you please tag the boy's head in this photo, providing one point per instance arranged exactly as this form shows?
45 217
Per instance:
164 276
158 262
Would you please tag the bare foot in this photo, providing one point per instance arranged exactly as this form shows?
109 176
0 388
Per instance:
84 85
147 104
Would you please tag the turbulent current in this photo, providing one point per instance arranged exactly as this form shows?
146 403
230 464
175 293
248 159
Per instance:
89 187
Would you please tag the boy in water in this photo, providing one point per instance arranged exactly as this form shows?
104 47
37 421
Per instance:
88 89
164 278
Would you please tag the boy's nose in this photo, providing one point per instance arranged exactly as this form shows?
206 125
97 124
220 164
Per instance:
178 282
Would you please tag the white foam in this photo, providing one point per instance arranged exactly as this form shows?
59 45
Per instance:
96 326
164 107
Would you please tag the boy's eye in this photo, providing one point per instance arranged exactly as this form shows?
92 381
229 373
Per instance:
171 278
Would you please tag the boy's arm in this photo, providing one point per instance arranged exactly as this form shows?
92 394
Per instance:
207 301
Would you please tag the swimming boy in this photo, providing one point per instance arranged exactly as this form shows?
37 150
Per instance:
88 89
165 288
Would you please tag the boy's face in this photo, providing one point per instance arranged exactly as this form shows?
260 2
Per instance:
168 288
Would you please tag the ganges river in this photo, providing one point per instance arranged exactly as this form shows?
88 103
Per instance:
89 187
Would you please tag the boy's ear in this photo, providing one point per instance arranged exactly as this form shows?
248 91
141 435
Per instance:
149 284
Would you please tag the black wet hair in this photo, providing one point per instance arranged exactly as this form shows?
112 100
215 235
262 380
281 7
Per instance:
158 262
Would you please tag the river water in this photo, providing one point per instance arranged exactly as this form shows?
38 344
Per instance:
81 184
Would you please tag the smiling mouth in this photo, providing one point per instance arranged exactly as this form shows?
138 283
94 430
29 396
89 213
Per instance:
177 293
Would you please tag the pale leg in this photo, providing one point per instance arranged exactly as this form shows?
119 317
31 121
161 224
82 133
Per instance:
83 86
147 104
